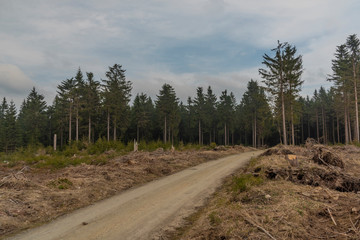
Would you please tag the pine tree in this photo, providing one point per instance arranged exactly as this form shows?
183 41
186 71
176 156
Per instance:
142 110
353 46
226 109
340 76
254 106
200 111
117 93
282 77
33 118
3 109
78 100
66 94
91 100
167 108
11 132
210 113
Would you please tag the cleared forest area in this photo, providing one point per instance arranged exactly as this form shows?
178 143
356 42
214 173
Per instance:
315 196
32 195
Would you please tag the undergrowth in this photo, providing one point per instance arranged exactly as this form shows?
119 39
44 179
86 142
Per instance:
97 153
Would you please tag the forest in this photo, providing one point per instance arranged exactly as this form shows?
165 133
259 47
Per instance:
269 112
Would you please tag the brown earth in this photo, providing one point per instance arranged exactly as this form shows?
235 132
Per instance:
317 197
33 196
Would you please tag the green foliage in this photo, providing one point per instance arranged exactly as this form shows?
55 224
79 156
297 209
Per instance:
214 218
61 183
212 145
245 182
153 145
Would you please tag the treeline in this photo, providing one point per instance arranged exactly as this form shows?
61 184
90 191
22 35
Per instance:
86 109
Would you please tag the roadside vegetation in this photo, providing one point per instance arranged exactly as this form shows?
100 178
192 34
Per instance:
84 153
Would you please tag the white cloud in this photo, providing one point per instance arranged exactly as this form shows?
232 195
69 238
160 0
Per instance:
13 80
49 40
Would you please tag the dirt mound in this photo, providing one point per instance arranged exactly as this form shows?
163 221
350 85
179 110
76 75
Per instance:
323 155
317 176
277 150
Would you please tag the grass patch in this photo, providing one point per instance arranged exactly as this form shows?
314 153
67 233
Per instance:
245 182
214 218
61 183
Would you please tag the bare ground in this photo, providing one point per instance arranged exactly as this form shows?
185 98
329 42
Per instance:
317 198
31 196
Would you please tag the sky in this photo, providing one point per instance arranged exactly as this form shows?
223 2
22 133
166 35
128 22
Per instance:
187 44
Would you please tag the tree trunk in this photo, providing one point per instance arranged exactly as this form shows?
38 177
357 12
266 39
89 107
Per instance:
324 125
165 130
283 113
199 132
89 134
108 126
346 125
333 130
292 126
302 130
255 130
61 138
137 133
356 128
317 125
225 134
70 116
337 128
115 129
77 123
349 128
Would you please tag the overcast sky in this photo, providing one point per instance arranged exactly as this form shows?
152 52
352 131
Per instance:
186 43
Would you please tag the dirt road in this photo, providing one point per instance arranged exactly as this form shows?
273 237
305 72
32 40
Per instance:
144 212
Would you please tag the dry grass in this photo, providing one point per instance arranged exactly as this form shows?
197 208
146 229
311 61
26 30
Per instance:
31 196
284 208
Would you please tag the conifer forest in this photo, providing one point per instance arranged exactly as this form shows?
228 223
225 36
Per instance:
271 111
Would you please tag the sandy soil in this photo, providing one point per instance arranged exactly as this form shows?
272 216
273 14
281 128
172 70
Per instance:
145 212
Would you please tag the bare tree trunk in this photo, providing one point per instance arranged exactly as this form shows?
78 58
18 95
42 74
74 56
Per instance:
356 128
302 129
324 125
70 116
346 125
61 138
137 133
317 125
292 126
165 129
283 114
255 130
337 128
115 128
199 132
89 135
333 130
108 126
225 134
77 123
349 128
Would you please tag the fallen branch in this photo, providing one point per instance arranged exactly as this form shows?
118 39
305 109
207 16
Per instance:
332 218
249 220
